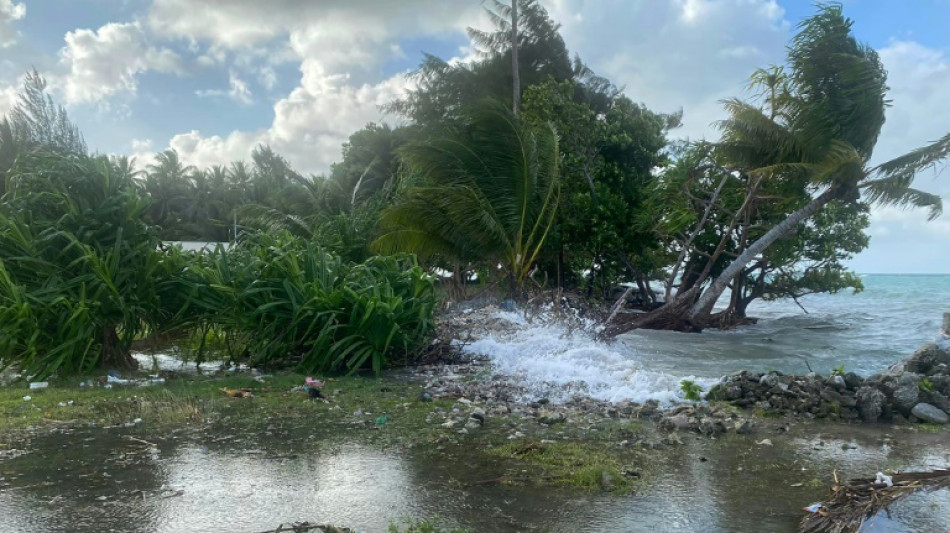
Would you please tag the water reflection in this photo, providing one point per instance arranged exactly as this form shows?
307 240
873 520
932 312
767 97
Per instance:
106 481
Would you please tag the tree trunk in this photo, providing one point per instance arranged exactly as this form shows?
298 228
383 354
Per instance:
707 300
115 354
686 312
515 75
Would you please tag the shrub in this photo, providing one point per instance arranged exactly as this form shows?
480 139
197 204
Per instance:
77 265
290 303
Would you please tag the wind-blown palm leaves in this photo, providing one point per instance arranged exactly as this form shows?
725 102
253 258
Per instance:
487 190
821 131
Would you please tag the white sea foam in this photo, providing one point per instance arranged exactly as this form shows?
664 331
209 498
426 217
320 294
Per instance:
550 361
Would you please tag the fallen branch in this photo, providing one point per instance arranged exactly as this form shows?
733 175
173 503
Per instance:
855 501
307 527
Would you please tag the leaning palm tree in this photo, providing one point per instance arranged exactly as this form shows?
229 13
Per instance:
820 132
487 190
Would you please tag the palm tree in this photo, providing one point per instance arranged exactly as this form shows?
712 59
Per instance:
167 183
820 131
487 190
826 131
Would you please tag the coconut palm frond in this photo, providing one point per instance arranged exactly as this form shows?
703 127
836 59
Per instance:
487 189
888 191
271 220
904 168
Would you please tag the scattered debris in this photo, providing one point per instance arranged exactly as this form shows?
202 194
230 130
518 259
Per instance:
237 393
851 503
307 527
312 387
39 385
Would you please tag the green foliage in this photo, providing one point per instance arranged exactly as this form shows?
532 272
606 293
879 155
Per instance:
926 385
77 265
838 371
609 148
487 190
691 390
286 302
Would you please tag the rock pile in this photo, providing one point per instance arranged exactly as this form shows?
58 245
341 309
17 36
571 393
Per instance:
917 389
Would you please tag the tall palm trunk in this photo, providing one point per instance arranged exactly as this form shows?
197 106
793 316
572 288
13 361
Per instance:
707 300
515 75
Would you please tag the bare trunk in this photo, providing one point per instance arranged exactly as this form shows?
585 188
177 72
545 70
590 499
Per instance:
707 300
515 75
115 354
692 236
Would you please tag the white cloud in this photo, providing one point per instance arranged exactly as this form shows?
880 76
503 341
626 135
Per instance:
244 24
309 125
267 77
340 45
682 53
238 91
8 99
109 60
9 14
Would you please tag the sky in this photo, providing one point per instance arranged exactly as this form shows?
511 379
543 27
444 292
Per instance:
215 78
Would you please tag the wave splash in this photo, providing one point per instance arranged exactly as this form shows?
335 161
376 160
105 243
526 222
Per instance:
553 361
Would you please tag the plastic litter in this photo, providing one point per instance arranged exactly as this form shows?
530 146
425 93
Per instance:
39 385
313 386
881 479
237 393
27 398
813 508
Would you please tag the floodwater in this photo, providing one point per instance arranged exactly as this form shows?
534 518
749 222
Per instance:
110 480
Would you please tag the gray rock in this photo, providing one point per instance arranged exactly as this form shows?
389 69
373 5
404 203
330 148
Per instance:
768 380
549 418
744 426
711 426
853 381
472 424
838 382
607 481
929 413
870 403
906 392
678 422
478 414
926 357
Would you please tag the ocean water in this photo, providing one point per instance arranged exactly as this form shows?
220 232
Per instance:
864 333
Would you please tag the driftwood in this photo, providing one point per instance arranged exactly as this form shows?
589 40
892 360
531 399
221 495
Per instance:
853 502
307 527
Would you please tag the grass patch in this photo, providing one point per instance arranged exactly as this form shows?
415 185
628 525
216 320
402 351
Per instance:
583 465
422 526
390 409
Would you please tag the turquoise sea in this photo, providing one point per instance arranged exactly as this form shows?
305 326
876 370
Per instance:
863 333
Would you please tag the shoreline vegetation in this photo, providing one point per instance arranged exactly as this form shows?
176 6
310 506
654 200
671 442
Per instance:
461 404
521 178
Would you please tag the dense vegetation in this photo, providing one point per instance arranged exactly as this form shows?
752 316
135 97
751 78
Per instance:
522 169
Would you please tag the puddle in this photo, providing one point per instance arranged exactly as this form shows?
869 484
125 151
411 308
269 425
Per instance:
109 481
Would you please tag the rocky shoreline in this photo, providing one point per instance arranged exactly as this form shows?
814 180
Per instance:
915 390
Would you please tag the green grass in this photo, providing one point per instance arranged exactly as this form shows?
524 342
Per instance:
197 401
384 412
584 465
